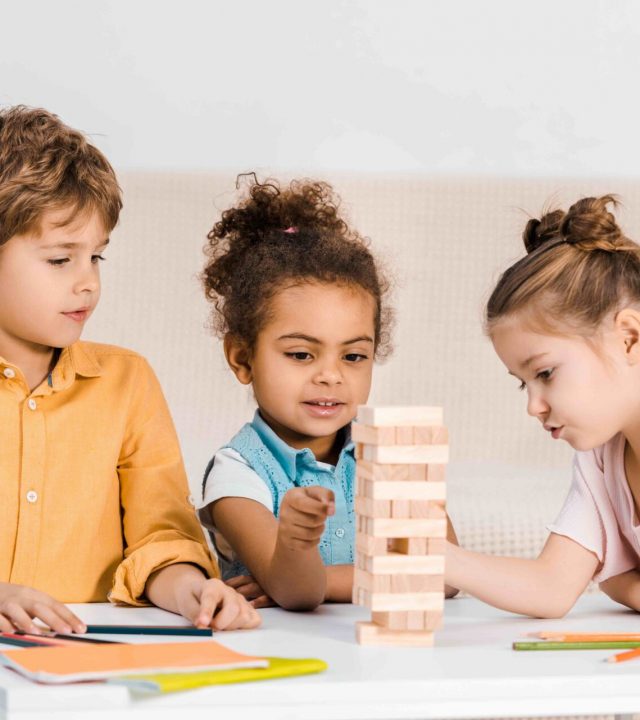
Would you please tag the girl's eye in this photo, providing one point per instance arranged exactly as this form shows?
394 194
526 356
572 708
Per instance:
299 355
355 357
545 375
57 262
523 385
96 258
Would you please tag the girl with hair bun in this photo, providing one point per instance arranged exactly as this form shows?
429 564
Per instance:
565 321
301 305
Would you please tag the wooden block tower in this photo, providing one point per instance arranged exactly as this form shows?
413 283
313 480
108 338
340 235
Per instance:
401 456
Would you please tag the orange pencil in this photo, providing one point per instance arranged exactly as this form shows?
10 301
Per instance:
624 656
587 637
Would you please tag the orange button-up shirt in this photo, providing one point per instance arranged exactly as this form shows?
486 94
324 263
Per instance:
93 492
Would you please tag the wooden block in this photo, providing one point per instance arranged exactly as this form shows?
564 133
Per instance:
368 633
409 546
404 490
394 563
374 471
372 583
415 583
432 620
404 436
406 454
370 435
436 546
358 452
400 508
409 528
372 508
418 473
433 509
395 620
397 416
415 620
433 435
427 601
371 545
436 472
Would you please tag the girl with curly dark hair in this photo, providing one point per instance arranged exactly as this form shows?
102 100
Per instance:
300 303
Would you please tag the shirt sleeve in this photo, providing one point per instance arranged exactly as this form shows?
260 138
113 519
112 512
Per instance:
588 517
160 526
231 476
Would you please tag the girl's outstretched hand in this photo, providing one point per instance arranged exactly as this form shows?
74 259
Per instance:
19 605
247 586
302 516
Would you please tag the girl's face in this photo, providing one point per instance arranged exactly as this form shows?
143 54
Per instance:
582 392
312 363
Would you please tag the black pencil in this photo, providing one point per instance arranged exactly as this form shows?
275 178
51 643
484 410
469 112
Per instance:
148 630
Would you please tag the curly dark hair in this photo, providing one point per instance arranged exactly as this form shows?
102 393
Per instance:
275 235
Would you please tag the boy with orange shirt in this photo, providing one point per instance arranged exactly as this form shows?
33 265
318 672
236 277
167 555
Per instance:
93 493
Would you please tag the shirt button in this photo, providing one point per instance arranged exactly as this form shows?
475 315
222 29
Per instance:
340 532
32 404
9 372
32 496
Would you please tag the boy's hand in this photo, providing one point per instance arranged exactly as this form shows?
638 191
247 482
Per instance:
211 603
302 516
19 605
247 586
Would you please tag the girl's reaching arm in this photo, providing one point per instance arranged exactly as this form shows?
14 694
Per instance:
547 586
624 588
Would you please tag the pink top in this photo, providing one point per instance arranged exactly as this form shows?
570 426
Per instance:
599 512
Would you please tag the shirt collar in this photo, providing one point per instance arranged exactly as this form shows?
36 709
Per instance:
289 457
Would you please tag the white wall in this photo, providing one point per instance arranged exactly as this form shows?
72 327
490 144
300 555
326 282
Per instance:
543 87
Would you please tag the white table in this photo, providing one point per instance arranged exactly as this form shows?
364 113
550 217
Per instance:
472 672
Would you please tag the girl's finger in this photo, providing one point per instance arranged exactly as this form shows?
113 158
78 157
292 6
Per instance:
208 605
239 581
262 601
228 610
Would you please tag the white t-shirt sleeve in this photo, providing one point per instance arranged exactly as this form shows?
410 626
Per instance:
231 476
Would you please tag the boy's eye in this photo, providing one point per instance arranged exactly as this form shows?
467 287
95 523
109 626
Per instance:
57 262
355 357
300 355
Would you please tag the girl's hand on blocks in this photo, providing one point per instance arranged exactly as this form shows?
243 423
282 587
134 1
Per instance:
211 603
302 516
249 588
19 605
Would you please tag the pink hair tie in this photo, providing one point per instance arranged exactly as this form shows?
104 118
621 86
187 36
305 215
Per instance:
291 230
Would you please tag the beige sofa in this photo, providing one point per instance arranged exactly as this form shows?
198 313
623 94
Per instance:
445 240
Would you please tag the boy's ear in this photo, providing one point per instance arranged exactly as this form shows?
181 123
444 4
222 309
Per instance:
627 325
239 358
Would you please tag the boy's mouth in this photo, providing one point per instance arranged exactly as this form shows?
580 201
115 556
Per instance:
78 315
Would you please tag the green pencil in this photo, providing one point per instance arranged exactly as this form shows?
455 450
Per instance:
593 645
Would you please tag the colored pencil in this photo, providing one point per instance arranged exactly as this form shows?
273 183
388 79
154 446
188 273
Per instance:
586 637
624 656
21 640
553 645
148 630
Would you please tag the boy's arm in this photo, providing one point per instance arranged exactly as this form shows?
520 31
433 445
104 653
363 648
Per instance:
624 588
545 587
160 527
449 590
282 555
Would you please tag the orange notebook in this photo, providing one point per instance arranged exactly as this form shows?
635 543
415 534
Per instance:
96 662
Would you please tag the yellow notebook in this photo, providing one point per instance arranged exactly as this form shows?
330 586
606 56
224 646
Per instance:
166 683
83 661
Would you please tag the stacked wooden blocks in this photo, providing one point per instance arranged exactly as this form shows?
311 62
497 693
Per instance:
401 455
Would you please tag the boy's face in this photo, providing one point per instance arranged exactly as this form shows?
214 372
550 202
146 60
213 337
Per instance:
49 284
312 363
